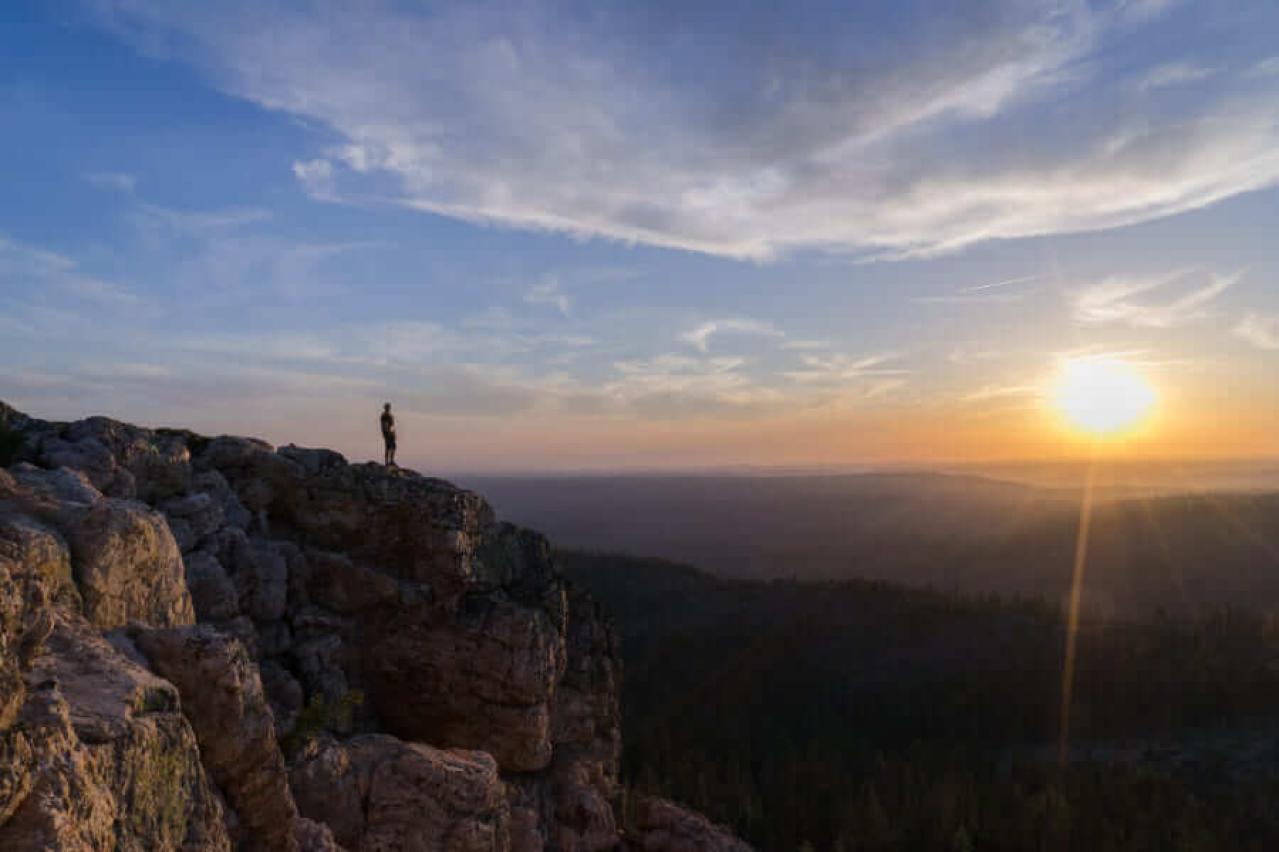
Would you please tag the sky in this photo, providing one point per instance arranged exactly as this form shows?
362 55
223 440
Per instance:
615 236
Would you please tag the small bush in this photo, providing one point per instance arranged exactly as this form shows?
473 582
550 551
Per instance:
317 716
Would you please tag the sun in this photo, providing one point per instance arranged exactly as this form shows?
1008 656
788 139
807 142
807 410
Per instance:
1103 395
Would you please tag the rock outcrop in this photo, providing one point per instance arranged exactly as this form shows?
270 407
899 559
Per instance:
222 696
94 751
378 664
379 792
662 826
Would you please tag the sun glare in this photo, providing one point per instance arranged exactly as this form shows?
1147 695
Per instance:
1102 396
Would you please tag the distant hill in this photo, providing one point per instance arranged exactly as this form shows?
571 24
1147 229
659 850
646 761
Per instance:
969 533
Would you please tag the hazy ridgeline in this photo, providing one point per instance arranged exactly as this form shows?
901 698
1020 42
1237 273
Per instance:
1150 550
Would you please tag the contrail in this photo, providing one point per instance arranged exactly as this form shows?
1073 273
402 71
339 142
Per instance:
1072 618
1008 283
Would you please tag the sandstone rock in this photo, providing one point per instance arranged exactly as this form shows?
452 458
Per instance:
320 662
39 549
532 813
409 526
270 582
275 639
219 490
222 696
338 584
481 678
313 461
663 826
108 761
123 557
119 459
380 793
284 694
312 836
212 593
586 731
199 512
89 456
128 567
45 490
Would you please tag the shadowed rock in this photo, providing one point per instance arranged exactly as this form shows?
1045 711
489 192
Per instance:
380 793
662 826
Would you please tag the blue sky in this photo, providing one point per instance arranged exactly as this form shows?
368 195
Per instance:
614 235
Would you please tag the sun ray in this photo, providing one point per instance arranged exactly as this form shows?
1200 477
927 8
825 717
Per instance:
1072 612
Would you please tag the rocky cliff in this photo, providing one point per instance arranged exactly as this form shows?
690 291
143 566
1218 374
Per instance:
211 643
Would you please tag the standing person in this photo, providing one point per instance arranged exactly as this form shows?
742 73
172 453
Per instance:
388 435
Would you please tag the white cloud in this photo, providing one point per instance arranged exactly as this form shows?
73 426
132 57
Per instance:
700 337
839 368
799 132
1173 74
1115 300
316 177
201 222
1268 67
117 181
1259 330
548 292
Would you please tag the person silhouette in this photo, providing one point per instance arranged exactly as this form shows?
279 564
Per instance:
388 435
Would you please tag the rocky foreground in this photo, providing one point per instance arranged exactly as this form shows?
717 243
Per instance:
210 643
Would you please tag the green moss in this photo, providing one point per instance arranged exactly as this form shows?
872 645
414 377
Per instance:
160 793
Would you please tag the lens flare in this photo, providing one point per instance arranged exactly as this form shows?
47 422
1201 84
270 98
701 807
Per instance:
1102 396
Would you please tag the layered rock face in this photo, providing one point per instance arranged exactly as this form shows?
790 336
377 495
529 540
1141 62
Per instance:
378 664
94 751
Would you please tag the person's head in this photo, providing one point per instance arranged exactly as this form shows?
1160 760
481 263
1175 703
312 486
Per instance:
386 407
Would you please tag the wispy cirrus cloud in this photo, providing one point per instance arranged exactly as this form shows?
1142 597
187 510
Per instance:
36 275
1260 330
1131 301
838 368
701 336
802 132
1173 74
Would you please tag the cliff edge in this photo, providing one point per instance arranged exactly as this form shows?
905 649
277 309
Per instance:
212 643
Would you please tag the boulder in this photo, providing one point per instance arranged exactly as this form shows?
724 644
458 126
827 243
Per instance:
380 793
128 566
123 557
663 826
212 594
